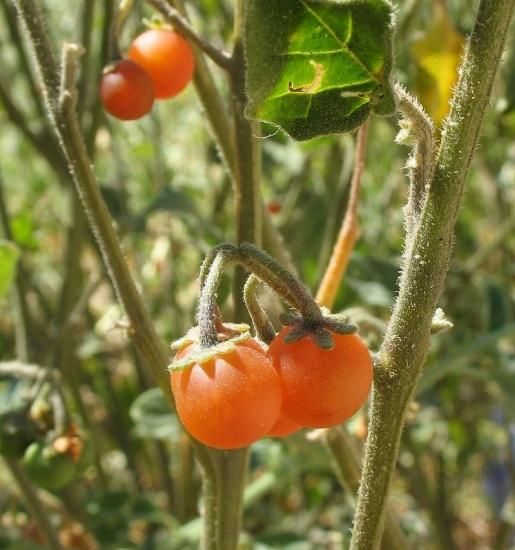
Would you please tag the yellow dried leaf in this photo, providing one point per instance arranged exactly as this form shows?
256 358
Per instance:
437 55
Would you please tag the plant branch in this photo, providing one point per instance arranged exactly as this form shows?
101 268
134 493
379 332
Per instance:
349 231
60 94
218 56
408 335
416 130
14 31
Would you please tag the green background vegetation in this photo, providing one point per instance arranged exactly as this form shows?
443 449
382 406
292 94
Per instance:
172 200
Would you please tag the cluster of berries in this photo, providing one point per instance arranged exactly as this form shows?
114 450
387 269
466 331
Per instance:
159 65
229 397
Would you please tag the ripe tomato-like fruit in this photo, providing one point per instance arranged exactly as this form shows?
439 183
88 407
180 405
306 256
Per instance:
47 468
232 399
127 91
283 427
322 388
167 57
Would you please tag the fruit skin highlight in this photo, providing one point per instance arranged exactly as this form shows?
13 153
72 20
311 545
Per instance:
126 91
322 388
232 399
167 58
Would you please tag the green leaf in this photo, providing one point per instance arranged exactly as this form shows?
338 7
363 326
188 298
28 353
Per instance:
318 67
8 257
153 417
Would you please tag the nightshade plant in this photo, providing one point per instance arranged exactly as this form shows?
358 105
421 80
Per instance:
310 68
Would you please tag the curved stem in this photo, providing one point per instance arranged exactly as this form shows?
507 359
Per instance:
207 306
122 12
407 339
349 231
262 325
265 268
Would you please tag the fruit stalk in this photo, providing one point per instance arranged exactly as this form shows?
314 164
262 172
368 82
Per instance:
408 336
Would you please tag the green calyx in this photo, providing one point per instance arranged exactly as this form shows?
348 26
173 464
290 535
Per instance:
233 335
319 330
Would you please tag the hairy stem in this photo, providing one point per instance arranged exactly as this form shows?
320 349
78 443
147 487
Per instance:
231 470
60 95
407 339
262 325
347 459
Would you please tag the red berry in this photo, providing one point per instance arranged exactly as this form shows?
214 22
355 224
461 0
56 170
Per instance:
168 59
322 388
126 91
283 427
230 400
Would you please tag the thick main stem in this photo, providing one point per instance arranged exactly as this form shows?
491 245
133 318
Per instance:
407 340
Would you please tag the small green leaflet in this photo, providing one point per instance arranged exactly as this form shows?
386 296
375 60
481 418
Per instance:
318 67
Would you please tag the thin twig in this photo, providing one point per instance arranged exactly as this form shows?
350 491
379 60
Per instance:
220 57
349 231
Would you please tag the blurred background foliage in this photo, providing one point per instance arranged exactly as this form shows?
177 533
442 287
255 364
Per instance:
171 199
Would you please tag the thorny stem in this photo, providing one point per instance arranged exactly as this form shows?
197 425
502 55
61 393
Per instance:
349 231
221 58
34 504
408 336
60 102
